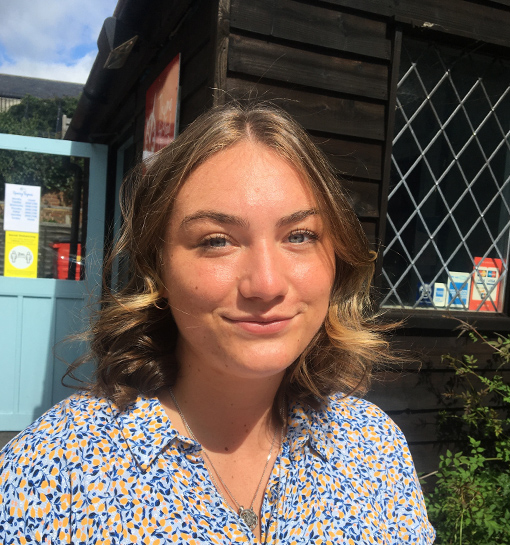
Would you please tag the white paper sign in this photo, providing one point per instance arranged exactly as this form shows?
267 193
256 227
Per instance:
22 208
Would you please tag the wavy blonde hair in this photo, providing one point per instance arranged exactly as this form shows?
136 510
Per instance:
134 334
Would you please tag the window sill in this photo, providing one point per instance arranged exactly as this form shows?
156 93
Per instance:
446 319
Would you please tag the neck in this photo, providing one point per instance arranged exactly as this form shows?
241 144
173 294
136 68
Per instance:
225 412
232 419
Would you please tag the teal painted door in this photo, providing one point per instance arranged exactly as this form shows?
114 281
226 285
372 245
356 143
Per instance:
38 313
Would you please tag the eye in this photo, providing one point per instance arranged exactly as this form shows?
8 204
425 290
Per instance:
302 236
214 241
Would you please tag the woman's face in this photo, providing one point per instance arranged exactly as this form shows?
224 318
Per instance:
248 267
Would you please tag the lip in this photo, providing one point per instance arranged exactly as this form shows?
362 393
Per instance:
261 325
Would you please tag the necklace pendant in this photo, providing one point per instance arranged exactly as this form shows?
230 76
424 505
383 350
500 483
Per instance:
249 517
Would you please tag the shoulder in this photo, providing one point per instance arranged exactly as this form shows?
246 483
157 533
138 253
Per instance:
356 413
36 466
46 447
354 423
363 438
76 414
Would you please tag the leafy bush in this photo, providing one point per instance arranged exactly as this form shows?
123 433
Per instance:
470 504
42 118
37 116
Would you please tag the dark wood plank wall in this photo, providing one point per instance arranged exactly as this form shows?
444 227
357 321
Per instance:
484 21
193 36
414 394
329 64
328 68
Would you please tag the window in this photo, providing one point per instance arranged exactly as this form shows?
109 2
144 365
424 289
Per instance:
42 215
447 233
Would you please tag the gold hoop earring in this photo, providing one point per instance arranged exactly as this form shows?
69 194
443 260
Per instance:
165 301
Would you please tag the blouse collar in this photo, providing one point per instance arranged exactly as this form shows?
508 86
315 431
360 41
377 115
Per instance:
148 432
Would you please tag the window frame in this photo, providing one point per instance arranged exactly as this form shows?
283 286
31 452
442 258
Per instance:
425 317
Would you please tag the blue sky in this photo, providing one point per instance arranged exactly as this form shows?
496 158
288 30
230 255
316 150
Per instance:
51 39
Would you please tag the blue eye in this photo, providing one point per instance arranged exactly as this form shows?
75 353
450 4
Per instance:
301 236
215 241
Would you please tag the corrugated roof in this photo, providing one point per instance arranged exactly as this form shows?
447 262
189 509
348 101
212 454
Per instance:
19 86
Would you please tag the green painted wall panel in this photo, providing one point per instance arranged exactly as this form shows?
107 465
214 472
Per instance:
36 362
9 364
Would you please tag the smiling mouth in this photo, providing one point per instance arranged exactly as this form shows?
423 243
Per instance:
261 325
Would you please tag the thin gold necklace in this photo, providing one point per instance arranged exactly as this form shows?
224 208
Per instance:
247 515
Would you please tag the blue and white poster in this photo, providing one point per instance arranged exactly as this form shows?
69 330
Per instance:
22 208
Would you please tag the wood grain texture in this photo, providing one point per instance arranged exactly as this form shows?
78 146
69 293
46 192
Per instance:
351 158
194 105
195 70
316 111
485 22
424 319
370 228
364 198
380 7
221 48
312 24
429 349
289 64
476 21
388 142
409 391
502 2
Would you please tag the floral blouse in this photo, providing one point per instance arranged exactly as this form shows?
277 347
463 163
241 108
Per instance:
87 473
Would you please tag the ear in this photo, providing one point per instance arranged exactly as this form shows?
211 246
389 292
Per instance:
162 300
163 293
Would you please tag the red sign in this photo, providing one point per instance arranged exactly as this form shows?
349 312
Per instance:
486 285
161 103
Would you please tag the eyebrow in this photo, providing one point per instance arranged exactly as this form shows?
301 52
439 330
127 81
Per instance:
300 215
230 219
218 217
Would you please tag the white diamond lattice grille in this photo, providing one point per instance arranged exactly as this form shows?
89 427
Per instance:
448 222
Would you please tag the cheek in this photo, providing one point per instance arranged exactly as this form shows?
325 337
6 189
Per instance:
315 281
197 285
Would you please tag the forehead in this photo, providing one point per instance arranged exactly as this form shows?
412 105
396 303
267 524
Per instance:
247 175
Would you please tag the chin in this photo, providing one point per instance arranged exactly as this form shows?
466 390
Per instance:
262 365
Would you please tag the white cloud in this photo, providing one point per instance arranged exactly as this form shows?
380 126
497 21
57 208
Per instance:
54 39
75 73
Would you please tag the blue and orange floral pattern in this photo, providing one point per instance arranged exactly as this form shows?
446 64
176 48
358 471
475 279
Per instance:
88 473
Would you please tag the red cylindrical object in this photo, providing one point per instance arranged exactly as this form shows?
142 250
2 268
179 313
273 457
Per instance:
63 260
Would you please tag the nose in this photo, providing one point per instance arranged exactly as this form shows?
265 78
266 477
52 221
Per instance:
264 273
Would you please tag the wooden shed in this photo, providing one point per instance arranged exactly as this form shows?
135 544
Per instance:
411 102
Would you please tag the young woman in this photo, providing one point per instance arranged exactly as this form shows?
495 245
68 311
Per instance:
223 408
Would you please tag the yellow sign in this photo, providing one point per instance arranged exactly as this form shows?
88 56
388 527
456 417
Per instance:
21 251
